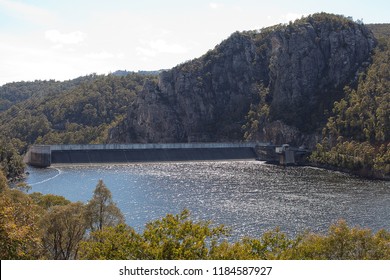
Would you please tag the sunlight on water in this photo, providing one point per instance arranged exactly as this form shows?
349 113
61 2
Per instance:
250 197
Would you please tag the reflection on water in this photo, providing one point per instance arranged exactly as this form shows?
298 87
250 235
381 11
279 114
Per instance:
250 197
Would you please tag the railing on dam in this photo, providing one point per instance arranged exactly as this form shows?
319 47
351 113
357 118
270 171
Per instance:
154 146
45 155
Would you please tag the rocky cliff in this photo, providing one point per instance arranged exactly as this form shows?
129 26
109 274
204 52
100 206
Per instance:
294 71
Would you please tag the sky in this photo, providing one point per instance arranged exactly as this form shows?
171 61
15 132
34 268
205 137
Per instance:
61 40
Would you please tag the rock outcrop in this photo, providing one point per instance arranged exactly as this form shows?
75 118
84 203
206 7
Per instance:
304 67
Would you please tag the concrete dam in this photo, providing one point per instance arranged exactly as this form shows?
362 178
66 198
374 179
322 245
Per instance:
46 155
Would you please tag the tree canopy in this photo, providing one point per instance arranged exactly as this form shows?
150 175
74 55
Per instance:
357 136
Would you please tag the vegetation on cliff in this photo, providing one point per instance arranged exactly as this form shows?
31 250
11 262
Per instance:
40 226
11 163
77 111
357 136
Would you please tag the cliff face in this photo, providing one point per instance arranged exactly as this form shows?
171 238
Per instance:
303 67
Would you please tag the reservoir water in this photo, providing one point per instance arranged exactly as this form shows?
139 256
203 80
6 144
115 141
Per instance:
249 197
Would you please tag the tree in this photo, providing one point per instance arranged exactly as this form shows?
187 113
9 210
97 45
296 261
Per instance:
258 114
343 243
64 228
11 163
48 200
359 130
176 237
3 182
101 209
112 243
232 251
19 231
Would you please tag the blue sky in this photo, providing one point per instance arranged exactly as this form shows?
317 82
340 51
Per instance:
60 40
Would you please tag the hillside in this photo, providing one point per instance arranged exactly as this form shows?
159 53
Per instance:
277 85
380 30
50 112
76 111
13 93
357 135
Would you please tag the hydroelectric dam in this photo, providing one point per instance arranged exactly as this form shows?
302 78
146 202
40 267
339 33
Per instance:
46 155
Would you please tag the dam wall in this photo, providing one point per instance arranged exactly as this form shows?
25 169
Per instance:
39 155
45 155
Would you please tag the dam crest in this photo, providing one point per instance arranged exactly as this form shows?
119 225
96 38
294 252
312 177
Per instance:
46 155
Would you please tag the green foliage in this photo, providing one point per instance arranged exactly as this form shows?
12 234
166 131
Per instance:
225 250
382 159
258 114
272 245
74 112
101 211
338 21
163 242
19 231
14 93
351 155
48 200
3 182
80 111
64 228
356 137
381 31
178 237
112 243
344 243
340 243
11 163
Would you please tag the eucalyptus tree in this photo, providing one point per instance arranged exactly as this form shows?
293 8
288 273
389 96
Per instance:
63 228
101 210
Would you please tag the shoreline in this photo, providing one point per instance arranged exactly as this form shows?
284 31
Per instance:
363 174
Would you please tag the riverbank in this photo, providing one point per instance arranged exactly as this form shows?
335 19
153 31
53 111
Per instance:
361 173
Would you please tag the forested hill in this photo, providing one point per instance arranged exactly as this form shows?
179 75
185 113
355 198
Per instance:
76 111
80 113
13 93
380 30
357 135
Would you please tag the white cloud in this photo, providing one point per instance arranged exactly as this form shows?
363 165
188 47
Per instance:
164 47
104 55
146 52
28 12
71 38
214 5
27 62
154 47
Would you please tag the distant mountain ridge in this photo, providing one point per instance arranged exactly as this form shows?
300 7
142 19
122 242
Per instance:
140 72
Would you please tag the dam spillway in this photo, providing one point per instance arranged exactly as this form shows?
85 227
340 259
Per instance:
46 155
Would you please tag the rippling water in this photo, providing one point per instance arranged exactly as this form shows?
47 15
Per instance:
250 197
